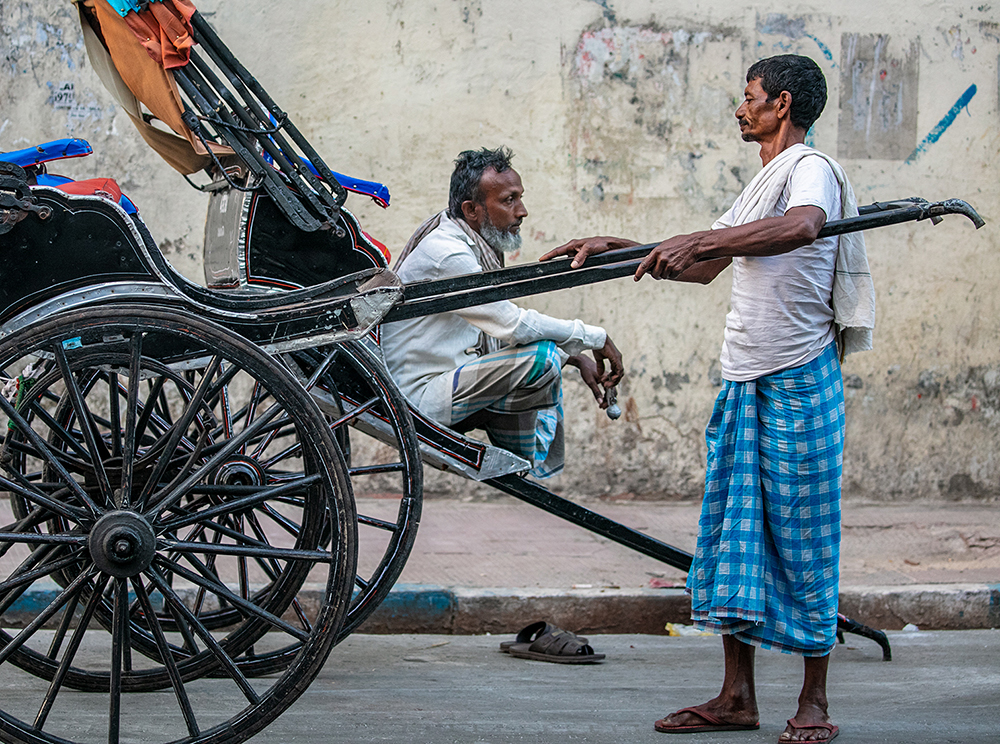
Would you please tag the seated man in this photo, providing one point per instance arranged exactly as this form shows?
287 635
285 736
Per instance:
494 367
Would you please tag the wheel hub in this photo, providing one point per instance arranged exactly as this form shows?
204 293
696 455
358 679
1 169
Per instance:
239 471
122 544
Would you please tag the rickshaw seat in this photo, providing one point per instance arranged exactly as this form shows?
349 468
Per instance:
33 159
55 150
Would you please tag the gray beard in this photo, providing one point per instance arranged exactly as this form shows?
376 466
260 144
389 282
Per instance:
500 240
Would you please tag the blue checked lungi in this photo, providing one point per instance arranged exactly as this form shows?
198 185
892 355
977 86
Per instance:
515 396
766 568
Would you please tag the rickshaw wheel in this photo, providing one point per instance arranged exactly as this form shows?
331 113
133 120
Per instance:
371 421
138 521
354 386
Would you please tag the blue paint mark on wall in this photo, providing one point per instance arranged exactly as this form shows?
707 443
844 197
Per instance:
942 126
779 24
609 13
824 49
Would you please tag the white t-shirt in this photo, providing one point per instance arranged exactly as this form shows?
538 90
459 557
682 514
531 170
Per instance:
421 352
780 309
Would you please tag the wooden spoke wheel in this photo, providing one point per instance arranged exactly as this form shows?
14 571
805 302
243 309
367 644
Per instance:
371 421
174 491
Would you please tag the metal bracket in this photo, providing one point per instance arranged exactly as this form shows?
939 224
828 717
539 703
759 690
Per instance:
16 199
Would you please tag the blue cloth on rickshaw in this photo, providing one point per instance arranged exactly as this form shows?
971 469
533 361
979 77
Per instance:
766 567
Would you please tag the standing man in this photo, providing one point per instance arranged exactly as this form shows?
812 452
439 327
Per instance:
765 571
495 367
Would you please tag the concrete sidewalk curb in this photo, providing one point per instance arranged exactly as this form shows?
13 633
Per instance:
436 609
421 608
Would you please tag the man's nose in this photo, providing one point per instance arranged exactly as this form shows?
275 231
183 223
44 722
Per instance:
520 210
739 114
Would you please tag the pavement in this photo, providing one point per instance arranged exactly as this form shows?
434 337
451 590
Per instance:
494 565
943 687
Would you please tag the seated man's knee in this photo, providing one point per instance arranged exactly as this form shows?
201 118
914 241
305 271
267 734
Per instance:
547 365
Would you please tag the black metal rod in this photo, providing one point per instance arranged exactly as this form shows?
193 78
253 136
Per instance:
846 625
419 290
444 295
253 118
252 109
544 499
197 90
206 36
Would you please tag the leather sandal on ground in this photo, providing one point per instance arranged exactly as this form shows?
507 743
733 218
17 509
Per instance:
711 723
529 634
833 731
554 645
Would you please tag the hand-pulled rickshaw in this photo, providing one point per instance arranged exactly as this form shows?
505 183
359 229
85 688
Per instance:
178 458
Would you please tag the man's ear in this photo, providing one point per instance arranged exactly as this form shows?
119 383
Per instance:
784 107
472 212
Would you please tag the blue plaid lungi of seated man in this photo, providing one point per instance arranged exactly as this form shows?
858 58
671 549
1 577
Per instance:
515 396
766 568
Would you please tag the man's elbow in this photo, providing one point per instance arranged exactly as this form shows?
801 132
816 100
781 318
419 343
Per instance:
805 227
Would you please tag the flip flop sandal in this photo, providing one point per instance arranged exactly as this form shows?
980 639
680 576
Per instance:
530 634
711 723
557 646
834 730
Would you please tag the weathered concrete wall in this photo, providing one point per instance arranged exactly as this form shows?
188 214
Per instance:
620 112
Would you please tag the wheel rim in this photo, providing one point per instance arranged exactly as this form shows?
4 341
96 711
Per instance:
119 515
357 394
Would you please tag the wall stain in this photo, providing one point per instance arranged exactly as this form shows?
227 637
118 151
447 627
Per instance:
635 104
878 97
671 381
779 24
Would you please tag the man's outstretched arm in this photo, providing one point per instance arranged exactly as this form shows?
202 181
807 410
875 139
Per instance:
678 258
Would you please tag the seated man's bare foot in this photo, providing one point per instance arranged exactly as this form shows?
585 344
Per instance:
710 716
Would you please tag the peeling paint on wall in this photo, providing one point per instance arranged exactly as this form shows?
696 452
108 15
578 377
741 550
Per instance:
878 98
609 12
643 128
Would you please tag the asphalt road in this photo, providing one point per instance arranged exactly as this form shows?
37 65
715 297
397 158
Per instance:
942 687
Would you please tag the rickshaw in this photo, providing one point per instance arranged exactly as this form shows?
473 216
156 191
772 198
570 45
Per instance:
179 458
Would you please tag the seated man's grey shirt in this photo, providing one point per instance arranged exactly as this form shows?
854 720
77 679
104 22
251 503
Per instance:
419 350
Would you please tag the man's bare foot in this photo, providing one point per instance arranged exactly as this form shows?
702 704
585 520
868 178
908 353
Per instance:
715 715
811 723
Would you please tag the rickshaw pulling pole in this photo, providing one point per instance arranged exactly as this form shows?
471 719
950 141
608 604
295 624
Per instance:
444 295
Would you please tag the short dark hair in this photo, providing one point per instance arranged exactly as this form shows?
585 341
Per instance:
469 168
801 77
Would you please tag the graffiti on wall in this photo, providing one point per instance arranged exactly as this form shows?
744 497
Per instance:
946 121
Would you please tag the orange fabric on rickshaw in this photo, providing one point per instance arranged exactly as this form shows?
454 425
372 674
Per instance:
145 77
164 30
